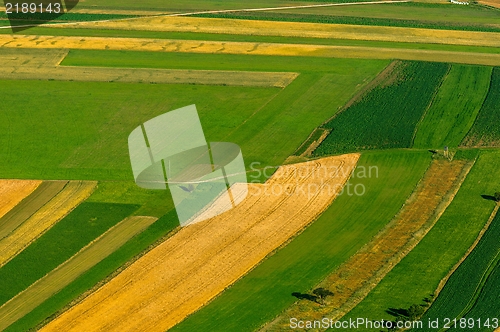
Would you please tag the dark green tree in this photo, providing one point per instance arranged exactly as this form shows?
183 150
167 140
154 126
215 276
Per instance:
415 312
322 294
497 196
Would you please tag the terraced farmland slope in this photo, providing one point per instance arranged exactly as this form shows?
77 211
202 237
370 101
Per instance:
418 275
455 107
65 273
354 279
201 260
11 193
485 131
386 116
462 292
349 223
73 194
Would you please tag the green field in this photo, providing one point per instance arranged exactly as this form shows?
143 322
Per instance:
485 131
465 286
386 116
63 240
417 276
455 107
79 130
350 222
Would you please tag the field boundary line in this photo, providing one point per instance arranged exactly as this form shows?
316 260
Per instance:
338 310
220 12
431 103
443 281
48 287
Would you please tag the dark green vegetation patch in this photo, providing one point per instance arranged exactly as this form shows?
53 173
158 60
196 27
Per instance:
386 117
467 284
486 129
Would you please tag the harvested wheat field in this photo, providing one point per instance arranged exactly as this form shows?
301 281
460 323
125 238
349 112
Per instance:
296 29
14 191
201 260
64 274
49 214
353 280
217 47
492 3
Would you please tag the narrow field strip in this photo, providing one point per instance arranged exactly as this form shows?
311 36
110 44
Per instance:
215 47
39 64
64 274
455 107
11 193
419 274
28 206
201 260
300 29
57 208
352 281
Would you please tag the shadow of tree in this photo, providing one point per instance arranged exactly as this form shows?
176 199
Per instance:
308 297
397 312
489 198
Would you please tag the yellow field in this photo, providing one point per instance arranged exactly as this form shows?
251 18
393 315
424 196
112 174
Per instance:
216 47
201 260
64 274
14 191
57 208
44 65
353 280
296 29
492 3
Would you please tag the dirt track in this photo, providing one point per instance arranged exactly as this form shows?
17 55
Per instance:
201 260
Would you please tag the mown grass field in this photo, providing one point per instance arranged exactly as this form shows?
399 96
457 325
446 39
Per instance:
485 131
385 117
455 107
467 284
349 223
84 126
63 240
417 276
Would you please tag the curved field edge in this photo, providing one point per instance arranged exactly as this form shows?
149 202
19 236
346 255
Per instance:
485 131
354 279
203 259
418 275
68 271
72 195
85 223
454 108
12 192
463 288
338 233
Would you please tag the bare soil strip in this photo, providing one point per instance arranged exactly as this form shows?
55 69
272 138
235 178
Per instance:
216 47
64 274
11 193
44 65
492 3
44 192
352 281
300 29
48 215
201 260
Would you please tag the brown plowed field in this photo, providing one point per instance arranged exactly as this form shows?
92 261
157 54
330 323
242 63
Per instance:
64 274
201 260
353 280
12 192
49 214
